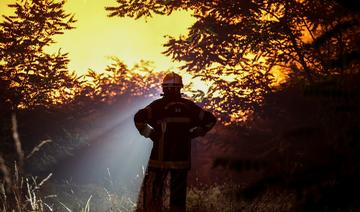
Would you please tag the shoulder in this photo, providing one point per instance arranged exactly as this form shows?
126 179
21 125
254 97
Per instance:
150 106
188 101
156 103
148 110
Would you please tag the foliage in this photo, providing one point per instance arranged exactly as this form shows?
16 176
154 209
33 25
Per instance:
237 45
18 191
118 79
307 143
224 198
30 76
21 193
307 159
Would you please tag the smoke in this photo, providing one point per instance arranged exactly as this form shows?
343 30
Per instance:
117 155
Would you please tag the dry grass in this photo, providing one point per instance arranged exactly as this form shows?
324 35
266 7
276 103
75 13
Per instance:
25 193
28 193
20 192
225 198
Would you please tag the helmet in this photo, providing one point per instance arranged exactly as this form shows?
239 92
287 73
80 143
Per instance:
172 80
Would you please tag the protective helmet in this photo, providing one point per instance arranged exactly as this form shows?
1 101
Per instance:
172 80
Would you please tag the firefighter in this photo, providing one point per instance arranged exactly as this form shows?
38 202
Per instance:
170 122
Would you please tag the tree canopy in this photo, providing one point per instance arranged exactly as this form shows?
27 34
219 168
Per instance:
29 76
238 45
119 79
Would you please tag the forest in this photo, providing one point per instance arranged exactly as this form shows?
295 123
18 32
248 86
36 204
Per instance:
284 85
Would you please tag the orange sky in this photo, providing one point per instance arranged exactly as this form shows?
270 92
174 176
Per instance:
97 36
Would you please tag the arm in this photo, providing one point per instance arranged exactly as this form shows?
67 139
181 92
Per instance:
142 122
206 122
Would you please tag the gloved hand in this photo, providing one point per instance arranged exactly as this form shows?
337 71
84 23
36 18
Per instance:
147 130
197 131
155 135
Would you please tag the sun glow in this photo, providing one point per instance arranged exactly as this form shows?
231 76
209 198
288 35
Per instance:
98 37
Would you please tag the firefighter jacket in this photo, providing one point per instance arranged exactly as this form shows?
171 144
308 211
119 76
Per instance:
174 122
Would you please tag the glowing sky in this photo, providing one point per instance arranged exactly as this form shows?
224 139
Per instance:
98 37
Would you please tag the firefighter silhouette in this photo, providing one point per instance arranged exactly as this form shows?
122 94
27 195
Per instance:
170 122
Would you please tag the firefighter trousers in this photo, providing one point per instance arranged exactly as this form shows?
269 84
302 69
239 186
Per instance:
154 185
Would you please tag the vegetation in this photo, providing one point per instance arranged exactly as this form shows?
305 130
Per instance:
241 45
29 76
284 81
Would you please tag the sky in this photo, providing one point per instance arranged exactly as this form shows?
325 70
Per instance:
98 37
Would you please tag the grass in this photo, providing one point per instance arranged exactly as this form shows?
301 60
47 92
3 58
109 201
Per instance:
21 192
28 193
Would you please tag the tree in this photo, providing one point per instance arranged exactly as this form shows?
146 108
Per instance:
247 40
29 75
119 80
